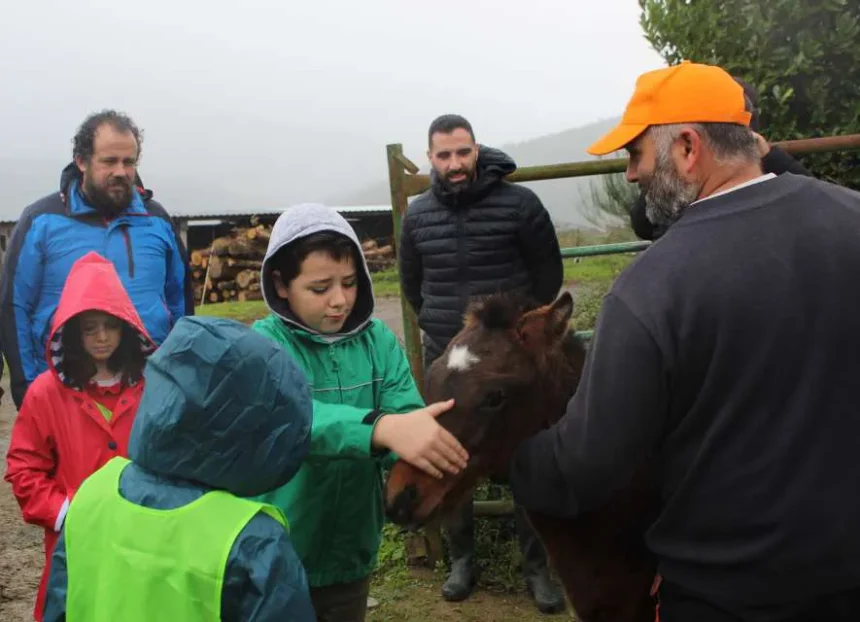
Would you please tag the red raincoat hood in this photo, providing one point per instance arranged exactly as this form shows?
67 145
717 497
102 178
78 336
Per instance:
93 285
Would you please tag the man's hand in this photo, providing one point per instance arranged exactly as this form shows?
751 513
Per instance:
418 439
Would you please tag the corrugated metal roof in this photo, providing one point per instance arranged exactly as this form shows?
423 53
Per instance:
210 214
363 208
250 211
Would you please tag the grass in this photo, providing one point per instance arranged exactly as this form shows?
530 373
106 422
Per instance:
598 269
245 312
415 595
406 594
386 283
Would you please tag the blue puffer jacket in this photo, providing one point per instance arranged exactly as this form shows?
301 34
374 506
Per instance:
223 408
58 230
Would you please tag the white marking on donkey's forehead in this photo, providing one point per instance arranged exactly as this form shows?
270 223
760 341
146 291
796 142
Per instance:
460 358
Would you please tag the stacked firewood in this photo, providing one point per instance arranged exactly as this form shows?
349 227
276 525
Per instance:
230 268
378 257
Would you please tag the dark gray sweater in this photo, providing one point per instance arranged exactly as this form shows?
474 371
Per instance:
730 352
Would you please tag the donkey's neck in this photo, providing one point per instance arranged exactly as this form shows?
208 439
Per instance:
559 380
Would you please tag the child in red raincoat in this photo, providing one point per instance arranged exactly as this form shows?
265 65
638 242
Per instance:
78 414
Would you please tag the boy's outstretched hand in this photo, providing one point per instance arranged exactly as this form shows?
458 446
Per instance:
419 439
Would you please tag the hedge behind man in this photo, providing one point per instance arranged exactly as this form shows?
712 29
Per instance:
100 206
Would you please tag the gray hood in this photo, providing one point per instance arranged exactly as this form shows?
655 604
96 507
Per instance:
301 221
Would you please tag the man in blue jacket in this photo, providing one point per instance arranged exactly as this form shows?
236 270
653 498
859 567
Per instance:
101 206
171 535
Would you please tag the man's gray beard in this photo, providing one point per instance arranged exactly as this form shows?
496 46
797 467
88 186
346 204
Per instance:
667 195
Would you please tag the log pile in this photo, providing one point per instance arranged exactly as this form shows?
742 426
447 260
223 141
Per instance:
230 268
378 257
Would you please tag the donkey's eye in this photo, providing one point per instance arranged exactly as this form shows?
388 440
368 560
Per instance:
494 400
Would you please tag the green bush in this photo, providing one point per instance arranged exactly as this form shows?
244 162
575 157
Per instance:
803 58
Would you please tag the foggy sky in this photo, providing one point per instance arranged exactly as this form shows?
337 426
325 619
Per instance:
292 101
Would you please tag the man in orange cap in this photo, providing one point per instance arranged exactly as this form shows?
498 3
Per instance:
773 160
653 124
727 356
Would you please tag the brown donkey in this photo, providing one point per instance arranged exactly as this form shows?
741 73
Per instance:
512 370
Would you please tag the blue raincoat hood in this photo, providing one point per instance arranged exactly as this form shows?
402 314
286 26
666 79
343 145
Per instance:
223 406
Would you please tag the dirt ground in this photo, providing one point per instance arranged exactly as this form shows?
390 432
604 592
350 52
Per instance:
20 544
418 599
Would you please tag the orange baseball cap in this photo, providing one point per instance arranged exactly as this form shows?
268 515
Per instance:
684 93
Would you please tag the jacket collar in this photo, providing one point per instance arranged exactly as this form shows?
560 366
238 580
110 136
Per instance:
70 180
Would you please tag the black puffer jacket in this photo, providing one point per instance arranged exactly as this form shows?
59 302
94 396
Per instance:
494 236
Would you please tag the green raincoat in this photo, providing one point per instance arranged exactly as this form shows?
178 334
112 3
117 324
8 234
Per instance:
334 504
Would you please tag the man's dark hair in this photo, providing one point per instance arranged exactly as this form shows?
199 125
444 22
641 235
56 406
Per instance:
288 260
446 124
83 144
750 101
78 366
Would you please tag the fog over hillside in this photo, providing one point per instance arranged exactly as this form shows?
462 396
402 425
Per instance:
260 105
24 180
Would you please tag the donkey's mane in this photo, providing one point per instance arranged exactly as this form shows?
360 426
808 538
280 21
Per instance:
501 311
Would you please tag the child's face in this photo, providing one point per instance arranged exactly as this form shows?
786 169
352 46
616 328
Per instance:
101 334
324 292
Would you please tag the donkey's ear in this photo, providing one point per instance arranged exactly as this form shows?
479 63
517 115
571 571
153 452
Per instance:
540 328
558 318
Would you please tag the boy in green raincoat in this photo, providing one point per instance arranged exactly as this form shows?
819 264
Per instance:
317 286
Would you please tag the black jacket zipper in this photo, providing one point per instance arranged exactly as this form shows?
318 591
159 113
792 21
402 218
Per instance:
128 249
461 255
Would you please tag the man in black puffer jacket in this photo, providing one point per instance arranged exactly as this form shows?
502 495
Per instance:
473 234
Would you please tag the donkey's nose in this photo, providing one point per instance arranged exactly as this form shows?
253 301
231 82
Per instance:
401 509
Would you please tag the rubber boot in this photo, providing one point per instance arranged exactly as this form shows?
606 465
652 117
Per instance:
547 594
459 527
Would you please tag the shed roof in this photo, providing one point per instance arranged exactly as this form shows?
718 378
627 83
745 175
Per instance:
244 212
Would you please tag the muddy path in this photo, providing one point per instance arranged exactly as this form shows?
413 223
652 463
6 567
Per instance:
21 554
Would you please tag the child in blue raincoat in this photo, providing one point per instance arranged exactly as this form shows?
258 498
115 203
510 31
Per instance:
167 535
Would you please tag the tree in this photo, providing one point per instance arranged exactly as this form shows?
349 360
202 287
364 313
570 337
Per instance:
802 56
612 198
